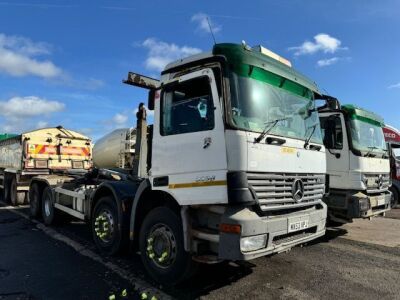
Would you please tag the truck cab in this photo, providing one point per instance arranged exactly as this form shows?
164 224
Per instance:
357 163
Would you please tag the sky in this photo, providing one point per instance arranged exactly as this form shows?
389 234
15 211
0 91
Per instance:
63 62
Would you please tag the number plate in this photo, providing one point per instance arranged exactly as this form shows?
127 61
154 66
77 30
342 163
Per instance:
299 225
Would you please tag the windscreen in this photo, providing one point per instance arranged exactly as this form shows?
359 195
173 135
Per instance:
261 98
367 136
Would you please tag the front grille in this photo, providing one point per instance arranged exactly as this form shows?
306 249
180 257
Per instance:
274 191
377 183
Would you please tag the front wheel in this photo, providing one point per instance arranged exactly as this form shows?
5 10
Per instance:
162 248
394 201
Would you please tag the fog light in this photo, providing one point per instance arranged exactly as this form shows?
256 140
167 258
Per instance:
252 243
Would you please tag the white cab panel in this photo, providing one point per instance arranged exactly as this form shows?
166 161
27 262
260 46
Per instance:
290 157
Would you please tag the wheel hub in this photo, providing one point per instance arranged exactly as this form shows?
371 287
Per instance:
104 226
161 246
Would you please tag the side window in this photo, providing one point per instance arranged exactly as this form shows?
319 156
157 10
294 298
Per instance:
187 107
332 132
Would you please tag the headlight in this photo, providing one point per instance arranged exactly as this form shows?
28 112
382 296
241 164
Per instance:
364 204
364 180
252 243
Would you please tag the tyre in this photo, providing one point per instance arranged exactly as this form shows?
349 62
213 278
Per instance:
162 248
16 198
6 190
105 225
35 201
394 202
48 210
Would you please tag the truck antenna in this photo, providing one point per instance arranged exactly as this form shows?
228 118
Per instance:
211 31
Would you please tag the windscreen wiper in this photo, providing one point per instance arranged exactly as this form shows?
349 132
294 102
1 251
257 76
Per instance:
268 127
307 142
371 149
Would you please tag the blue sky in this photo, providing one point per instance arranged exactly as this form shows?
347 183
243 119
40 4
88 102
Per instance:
62 62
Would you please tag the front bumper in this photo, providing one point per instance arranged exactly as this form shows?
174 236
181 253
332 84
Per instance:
353 204
279 239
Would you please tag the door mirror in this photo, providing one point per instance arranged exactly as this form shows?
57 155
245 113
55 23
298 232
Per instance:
150 101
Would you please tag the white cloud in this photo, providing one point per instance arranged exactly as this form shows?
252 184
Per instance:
42 124
24 45
18 57
322 43
161 53
394 86
21 114
327 62
30 106
202 23
120 119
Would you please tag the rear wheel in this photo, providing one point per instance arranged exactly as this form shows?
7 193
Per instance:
6 189
35 201
48 210
105 226
16 198
395 197
162 249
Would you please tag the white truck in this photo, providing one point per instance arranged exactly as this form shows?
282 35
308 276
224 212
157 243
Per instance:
357 162
37 152
233 167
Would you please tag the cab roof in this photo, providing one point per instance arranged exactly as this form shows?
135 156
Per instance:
242 54
363 114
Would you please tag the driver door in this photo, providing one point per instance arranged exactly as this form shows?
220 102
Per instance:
189 154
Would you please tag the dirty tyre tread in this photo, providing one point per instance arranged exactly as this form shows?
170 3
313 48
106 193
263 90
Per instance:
184 267
34 202
52 219
16 198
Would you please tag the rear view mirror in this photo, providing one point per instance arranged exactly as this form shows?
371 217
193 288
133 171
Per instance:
333 103
151 98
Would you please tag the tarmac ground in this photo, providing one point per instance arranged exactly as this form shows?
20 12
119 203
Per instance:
360 260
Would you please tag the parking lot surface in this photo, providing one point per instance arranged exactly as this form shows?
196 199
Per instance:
342 265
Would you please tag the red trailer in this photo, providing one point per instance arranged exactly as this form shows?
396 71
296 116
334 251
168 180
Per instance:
392 136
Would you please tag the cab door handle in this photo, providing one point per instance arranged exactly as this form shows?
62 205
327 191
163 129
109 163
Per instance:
207 142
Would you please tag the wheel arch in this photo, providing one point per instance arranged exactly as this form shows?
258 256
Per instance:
41 183
145 200
104 190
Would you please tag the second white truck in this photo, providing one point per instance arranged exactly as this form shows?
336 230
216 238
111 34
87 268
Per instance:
357 162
